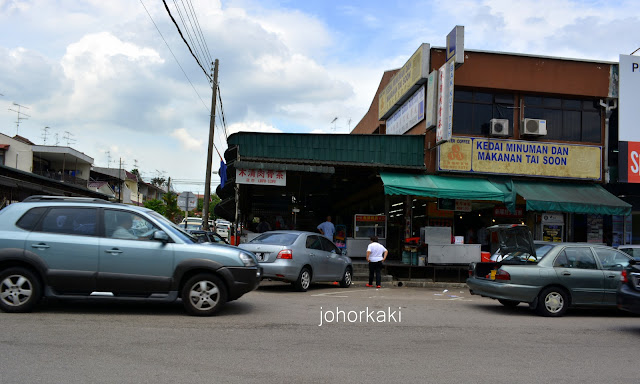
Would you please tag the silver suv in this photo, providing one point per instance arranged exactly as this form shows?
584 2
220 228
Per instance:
70 248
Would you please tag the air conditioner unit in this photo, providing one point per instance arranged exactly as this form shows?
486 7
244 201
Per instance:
535 127
499 127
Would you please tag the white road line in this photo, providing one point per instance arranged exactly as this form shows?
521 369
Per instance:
335 293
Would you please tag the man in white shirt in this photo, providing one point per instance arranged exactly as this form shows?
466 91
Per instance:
376 254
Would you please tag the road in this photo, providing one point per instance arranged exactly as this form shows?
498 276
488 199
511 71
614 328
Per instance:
274 335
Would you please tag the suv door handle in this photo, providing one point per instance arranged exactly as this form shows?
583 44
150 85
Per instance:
565 273
113 251
40 246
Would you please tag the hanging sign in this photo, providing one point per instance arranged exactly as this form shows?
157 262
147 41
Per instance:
261 177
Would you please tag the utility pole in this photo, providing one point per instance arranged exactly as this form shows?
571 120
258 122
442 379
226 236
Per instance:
212 122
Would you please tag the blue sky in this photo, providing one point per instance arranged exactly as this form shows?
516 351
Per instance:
101 71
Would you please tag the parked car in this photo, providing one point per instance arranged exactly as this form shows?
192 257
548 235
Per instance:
497 256
207 237
628 296
223 229
553 278
71 248
632 249
300 258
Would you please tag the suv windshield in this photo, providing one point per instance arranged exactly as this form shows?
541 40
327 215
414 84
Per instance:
185 236
276 238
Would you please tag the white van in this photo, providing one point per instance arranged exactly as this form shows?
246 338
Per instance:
223 230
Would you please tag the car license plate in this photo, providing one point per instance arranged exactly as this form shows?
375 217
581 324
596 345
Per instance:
493 274
260 256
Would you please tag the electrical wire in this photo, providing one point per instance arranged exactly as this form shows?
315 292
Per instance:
184 24
174 56
183 39
199 29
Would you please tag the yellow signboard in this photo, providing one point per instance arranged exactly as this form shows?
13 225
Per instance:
519 157
413 73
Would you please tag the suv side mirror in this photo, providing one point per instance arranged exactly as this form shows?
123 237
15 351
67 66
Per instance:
161 236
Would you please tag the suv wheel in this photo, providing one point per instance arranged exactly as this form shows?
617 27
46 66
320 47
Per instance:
346 278
203 295
304 280
19 290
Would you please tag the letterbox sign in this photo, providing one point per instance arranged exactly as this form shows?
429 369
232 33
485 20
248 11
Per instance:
261 177
520 157
404 83
455 45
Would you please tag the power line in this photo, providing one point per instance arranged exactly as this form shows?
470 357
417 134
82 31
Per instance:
174 56
206 50
184 24
183 39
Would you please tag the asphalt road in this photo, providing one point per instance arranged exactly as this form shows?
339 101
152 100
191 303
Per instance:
274 335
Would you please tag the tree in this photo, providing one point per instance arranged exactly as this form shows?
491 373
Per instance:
158 181
171 209
156 205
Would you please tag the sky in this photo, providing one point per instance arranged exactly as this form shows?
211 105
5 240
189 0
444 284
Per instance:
114 79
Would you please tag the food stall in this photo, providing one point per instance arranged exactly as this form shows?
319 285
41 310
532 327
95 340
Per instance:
365 226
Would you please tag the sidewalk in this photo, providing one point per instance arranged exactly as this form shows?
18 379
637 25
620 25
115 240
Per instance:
361 277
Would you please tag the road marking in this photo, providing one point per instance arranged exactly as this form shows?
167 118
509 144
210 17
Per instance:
335 293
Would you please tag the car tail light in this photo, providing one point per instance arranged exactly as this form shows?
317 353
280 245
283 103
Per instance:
623 276
501 274
285 254
471 273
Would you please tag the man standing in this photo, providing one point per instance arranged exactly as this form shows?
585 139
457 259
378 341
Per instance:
376 254
327 228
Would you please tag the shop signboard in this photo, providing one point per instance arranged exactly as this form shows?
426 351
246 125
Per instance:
629 98
552 227
261 177
629 161
455 45
504 212
520 157
405 82
432 100
444 125
407 116
463 205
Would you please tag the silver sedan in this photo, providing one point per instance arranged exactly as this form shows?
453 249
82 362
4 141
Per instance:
300 258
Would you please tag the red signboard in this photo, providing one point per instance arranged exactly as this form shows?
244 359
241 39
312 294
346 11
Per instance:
633 162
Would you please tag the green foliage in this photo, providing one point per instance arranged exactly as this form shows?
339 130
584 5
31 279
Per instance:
158 181
171 209
156 205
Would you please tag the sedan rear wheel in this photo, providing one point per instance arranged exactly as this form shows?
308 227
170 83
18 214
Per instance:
304 280
553 302
203 295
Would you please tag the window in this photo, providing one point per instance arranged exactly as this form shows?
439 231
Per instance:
127 225
313 242
567 119
473 111
581 258
2 152
328 246
611 259
30 219
70 221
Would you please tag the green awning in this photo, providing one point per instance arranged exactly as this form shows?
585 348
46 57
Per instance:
447 187
568 197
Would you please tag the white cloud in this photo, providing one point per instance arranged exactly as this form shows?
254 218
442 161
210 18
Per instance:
252 126
188 142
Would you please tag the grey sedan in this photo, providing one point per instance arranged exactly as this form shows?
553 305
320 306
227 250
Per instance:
552 278
300 258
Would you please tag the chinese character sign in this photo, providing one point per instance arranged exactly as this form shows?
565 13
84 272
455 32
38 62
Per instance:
261 177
